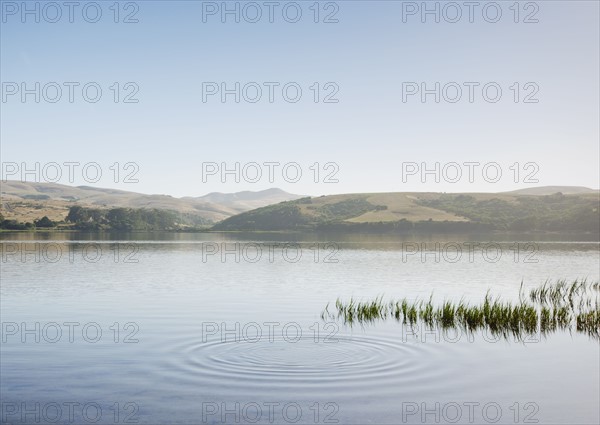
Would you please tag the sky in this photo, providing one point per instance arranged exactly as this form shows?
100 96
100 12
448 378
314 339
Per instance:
516 84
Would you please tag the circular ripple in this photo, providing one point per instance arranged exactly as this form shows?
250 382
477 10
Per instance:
281 358
368 359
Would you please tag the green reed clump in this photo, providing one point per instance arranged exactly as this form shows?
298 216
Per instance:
550 307
446 315
589 322
562 293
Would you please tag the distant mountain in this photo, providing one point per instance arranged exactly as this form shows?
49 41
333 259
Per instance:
30 201
550 190
247 200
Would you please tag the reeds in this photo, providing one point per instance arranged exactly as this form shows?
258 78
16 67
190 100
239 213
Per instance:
551 307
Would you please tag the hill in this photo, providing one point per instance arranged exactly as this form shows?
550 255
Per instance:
27 202
550 190
407 212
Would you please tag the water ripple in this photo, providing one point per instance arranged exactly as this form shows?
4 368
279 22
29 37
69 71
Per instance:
365 360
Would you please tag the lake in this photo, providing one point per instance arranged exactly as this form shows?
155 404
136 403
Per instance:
222 328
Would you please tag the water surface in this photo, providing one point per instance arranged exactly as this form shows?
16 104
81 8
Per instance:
188 332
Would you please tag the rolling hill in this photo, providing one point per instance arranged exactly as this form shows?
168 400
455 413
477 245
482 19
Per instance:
27 202
542 209
436 212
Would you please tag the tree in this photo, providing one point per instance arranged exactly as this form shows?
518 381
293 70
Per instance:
77 214
44 222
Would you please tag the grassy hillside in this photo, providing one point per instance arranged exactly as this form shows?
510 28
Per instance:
435 212
27 202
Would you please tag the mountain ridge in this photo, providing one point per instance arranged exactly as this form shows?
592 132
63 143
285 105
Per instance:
550 190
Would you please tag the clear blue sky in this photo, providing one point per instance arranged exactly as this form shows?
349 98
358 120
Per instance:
368 54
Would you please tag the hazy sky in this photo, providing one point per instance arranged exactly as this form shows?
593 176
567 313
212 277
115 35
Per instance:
363 61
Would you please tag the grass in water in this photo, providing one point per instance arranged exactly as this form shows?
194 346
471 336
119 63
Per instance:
553 306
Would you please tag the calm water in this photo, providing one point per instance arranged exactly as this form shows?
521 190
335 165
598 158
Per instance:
191 335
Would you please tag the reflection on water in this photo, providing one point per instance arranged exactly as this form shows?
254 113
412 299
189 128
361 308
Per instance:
365 239
187 331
